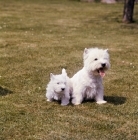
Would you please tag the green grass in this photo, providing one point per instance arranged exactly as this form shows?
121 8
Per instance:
42 36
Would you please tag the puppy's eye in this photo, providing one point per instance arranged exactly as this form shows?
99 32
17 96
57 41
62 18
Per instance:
95 59
58 83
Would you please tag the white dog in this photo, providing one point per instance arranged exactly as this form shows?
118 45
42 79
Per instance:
87 83
58 88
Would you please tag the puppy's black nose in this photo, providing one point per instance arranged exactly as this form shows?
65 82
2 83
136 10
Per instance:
103 64
62 89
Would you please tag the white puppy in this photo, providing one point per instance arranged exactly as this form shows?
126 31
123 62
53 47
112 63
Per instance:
87 83
58 88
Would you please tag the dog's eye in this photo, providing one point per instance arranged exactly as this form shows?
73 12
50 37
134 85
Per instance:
95 59
58 83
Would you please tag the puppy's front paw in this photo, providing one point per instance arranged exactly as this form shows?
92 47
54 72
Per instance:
49 100
101 102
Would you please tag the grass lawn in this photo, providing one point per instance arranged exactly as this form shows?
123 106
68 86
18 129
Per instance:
42 36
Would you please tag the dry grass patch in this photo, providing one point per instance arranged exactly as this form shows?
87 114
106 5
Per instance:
39 37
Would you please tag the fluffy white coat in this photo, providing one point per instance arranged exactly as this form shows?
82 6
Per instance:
87 83
59 88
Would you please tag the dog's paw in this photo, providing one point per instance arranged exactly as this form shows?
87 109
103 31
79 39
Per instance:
49 100
77 103
101 102
64 104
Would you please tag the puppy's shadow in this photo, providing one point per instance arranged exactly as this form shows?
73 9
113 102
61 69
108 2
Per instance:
116 100
4 91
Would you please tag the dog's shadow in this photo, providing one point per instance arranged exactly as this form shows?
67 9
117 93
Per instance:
4 91
116 100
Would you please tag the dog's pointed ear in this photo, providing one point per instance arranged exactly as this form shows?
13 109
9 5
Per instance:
86 51
106 50
51 76
64 72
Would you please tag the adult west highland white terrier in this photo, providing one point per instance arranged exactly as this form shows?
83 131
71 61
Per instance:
58 88
87 83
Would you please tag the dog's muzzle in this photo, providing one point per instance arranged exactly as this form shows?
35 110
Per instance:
102 69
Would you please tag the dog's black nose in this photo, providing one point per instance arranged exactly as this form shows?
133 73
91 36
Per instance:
103 64
62 89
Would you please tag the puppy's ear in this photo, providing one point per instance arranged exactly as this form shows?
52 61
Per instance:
64 72
51 76
86 51
106 50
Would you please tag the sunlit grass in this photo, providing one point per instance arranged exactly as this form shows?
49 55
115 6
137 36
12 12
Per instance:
39 37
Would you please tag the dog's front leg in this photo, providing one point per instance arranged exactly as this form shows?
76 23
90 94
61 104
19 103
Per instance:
49 96
65 100
77 97
99 96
